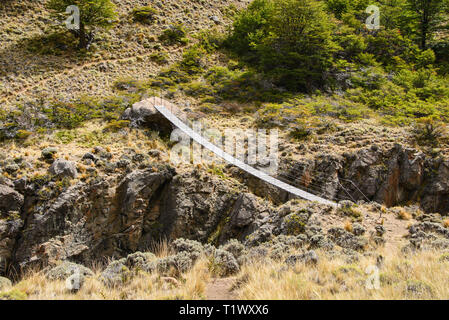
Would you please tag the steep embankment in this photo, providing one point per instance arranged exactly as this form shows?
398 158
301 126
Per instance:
35 65
126 200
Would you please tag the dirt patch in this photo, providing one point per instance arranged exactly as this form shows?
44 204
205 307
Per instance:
220 289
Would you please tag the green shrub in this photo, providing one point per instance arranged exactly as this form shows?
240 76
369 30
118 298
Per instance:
197 89
289 40
70 115
174 34
427 132
210 40
192 60
144 14
65 136
116 125
159 57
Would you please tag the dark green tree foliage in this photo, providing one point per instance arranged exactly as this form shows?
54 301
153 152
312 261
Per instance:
251 27
304 45
289 40
430 16
299 48
341 8
93 14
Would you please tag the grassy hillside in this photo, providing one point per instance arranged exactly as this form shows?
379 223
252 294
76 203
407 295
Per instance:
350 103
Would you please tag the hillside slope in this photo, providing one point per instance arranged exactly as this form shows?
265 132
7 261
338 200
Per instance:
89 196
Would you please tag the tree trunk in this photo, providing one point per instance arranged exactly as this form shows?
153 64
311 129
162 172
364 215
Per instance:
424 34
423 40
82 37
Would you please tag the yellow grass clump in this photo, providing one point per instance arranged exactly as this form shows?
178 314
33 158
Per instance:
423 275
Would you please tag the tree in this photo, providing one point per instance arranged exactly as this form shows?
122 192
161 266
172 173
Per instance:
430 16
290 41
300 43
93 14
250 28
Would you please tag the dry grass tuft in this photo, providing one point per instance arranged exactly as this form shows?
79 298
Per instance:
446 223
424 275
403 214
348 226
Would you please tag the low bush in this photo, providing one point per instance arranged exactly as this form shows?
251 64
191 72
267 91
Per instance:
174 34
144 14
427 132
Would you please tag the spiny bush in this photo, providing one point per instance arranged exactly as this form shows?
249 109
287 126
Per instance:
223 263
144 14
174 34
236 248
192 247
427 132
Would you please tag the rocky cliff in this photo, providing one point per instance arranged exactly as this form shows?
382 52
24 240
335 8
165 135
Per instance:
392 177
118 212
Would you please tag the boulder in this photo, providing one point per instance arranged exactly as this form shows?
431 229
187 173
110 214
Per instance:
67 269
48 153
5 283
309 257
75 282
143 114
63 168
10 200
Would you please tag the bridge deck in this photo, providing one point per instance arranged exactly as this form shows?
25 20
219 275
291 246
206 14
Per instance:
159 105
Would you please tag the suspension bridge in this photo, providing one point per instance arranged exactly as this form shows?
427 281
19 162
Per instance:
179 120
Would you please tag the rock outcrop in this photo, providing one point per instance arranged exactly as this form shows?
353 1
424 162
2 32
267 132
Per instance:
90 220
10 200
194 205
143 114
390 177
9 233
63 169
120 212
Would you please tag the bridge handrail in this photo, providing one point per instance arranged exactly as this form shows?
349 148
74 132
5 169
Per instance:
230 159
